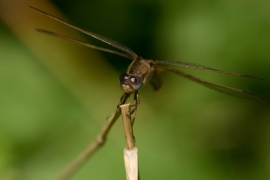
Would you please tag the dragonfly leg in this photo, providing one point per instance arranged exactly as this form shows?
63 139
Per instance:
123 99
134 106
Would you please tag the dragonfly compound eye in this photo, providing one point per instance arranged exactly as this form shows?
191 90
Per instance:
123 78
135 82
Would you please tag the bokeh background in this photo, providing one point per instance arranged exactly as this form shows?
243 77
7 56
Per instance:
55 95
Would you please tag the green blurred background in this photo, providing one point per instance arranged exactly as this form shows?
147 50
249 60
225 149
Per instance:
55 96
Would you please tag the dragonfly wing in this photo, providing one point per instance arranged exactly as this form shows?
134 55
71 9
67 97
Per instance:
214 86
83 43
201 67
94 35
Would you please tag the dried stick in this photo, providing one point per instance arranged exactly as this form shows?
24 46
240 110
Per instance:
130 152
100 140
95 145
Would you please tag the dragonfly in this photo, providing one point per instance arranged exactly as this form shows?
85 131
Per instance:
141 71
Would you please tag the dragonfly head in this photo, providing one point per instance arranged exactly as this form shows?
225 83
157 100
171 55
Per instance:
129 83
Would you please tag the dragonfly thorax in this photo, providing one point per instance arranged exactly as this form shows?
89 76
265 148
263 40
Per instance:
142 69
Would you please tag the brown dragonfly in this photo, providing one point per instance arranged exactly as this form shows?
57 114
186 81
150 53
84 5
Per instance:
142 71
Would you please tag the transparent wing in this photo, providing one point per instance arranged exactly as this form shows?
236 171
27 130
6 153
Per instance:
83 43
196 66
94 35
214 86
